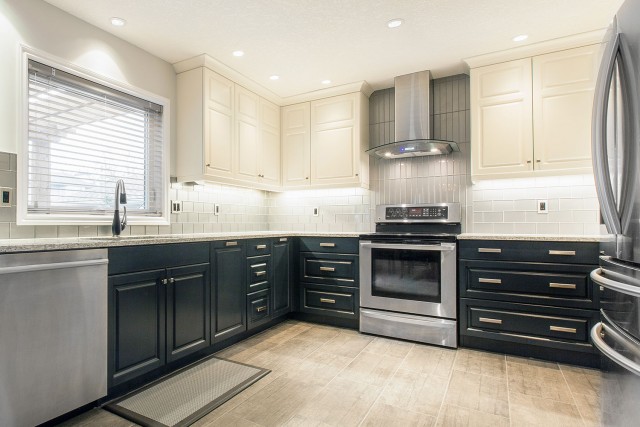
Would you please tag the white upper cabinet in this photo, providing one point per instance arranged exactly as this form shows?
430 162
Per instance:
501 134
269 149
296 146
324 143
248 141
226 133
532 116
563 87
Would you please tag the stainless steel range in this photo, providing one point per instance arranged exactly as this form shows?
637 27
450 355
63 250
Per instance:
408 273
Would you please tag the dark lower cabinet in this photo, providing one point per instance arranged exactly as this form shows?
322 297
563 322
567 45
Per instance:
188 313
156 315
281 284
136 325
531 298
228 297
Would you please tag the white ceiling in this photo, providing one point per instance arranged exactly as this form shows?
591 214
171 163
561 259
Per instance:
346 41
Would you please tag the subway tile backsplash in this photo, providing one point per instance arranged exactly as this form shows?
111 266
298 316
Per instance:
505 206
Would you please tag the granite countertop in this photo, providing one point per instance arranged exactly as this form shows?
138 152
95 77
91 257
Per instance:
536 237
31 245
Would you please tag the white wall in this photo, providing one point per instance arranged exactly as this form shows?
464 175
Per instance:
43 27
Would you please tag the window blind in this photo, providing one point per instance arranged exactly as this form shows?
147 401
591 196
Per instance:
83 137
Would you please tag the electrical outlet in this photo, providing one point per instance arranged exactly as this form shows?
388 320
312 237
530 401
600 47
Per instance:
176 206
543 206
316 211
216 209
7 196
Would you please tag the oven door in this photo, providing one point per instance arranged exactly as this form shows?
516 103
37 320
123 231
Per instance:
409 278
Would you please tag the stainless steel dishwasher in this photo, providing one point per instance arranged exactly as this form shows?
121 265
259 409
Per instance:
53 333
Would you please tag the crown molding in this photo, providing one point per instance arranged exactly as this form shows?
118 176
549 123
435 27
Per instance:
554 45
224 70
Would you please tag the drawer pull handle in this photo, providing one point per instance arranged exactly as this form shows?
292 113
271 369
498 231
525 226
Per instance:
261 246
231 244
494 281
262 264
260 273
261 309
490 320
490 250
328 300
562 285
327 269
283 239
562 329
327 245
565 253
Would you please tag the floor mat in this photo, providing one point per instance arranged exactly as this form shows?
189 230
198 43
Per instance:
187 395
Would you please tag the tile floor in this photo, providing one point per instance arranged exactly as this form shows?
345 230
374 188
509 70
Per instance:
325 376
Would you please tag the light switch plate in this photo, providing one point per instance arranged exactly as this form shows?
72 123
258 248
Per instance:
7 197
316 211
543 206
216 209
176 206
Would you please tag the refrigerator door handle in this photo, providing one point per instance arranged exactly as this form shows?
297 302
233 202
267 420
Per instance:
597 338
599 135
598 278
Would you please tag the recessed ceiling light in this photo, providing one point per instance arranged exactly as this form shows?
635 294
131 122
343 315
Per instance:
520 38
395 23
118 22
326 82
238 53
387 154
274 77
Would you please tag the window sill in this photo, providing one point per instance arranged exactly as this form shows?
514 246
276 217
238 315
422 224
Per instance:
90 220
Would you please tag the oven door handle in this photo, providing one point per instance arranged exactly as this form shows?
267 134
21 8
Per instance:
443 247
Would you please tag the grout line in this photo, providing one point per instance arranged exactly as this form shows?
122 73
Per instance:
506 372
444 397
573 397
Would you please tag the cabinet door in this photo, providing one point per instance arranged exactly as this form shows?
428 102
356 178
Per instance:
281 290
335 140
269 153
228 305
246 122
563 88
218 126
136 324
188 310
296 145
501 129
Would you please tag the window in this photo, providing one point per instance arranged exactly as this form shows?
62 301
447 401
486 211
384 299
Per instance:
82 136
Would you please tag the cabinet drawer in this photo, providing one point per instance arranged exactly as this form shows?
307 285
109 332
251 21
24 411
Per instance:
258 307
341 245
258 273
257 247
561 285
529 324
503 250
529 282
329 300
329 268
540 324
128 259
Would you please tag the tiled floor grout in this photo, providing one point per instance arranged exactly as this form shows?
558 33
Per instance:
506 374
446 390
573 397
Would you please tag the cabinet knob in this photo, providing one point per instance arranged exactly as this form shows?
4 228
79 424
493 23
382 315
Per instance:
537 161
528 161
208 164
307 177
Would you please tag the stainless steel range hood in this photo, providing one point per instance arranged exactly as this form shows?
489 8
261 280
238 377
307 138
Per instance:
413 121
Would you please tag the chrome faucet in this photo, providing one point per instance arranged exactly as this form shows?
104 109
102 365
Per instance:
121 197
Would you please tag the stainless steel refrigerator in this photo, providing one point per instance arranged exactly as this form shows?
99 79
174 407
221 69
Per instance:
616 163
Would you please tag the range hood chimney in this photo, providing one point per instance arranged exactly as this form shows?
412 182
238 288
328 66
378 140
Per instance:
413 121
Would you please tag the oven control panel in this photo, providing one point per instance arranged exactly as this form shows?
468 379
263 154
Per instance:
421 212
441 212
